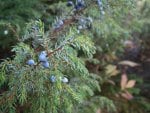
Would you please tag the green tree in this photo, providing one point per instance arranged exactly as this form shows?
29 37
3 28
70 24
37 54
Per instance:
48 73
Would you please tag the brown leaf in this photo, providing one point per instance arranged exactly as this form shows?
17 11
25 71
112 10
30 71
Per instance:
129 44
129 63
130 84
98 111
117 95
111 82
127 95
111 70
123 81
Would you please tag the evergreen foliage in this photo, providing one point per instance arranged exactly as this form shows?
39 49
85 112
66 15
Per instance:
33 84
48 72
14 14
18 11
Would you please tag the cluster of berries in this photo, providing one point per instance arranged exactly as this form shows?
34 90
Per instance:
85 23
58 24
100 4
78 5
42 59
53 79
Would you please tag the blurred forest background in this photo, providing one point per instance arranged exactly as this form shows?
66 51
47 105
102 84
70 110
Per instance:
121 60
